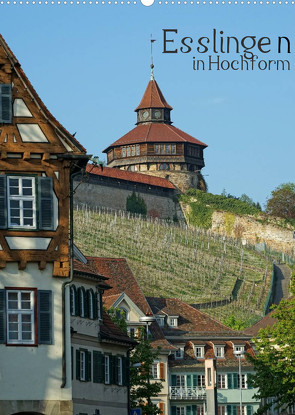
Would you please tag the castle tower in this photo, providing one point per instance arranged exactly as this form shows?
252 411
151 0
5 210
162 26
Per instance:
156 147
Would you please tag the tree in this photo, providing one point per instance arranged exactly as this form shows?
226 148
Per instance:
282 201
274 363
136 204
118 317
142 385
234 323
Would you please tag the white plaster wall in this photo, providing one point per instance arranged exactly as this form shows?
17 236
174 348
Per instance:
35 373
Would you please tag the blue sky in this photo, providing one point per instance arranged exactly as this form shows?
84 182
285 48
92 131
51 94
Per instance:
90 66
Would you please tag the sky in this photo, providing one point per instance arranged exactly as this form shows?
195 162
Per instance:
90 64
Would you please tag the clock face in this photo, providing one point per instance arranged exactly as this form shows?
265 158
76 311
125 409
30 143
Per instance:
158 114
145 115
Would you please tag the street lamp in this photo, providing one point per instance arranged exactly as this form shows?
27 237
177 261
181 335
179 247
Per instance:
147 320
239 354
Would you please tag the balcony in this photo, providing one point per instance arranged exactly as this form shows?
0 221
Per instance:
189 393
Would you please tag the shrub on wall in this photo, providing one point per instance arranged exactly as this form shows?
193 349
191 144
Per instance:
136 204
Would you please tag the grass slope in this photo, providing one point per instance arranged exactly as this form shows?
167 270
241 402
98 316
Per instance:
176 261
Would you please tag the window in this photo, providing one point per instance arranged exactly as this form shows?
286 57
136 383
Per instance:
239 349
221 381
180 380
154 371
128 151
173 148
180 410
19 202
90 297
164 166
73 300
201 381
199 351
123 151
137 149
119 371
209 376
131 332
99 305
83 365
157 148
173 321
179 353
21 322
219 351
160 320
107 369
5 104
82 301
221 410
233 381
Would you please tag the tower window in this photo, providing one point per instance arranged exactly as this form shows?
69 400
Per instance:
164 166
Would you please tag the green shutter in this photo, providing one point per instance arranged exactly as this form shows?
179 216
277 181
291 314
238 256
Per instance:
229 409
45 203
78 364
236 380
173 410
249 409
249 386
235 410
72 362
95 311
99 300
44 317
188 381
229 381
88 366
115 365
3 202
173 381
98 367
188 410
194 409
2 317
5 104
195 381
112 369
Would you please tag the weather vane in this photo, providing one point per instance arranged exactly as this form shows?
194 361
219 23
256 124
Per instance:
152 62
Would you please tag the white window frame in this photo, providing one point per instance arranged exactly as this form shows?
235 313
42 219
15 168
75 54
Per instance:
107 369
219 351
19 312
173 321
120 370
154 371
90 304
21 198
199 352
82 302
82 368
73 301
239 349
179 353
222 381
181 381
244 381
180 410
201 380
160 320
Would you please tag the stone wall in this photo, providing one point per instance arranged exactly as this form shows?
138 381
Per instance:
94 195
183 180
254 231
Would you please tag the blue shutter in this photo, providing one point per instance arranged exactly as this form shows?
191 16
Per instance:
5 104
45 203
2 317
44 317
3 202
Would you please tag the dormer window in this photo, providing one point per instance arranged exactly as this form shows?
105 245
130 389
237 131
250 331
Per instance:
172 321
219 351
179 353
199 352
239 351
160 320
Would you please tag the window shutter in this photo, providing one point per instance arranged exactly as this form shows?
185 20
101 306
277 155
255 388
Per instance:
229 410
188 410
235 410
45 203
112 369
78 364
236 380
173 380
229 382
72 362
162 370
79 303
86 303
88 366
98 367
5 104
162 408
44 317
249 386
194 409
188 381
125 371
249 409
2 317
116 372
99 301
3 202
95 306
173 410
195 381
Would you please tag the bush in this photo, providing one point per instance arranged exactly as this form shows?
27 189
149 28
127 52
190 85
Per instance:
136 204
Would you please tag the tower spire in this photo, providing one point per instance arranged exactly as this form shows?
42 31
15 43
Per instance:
152 61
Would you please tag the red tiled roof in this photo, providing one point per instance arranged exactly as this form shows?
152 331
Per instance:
129 176
266 321
80 267
155 133
153 97
109 300
38 99
190 319
110 331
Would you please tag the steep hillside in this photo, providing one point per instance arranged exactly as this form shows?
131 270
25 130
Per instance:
177 261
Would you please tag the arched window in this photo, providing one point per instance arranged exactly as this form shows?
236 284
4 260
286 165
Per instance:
124 313
91 304
82 300
73 300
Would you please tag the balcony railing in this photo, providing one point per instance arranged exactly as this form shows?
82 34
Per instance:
180 392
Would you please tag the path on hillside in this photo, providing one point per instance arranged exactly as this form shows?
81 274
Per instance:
283 276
